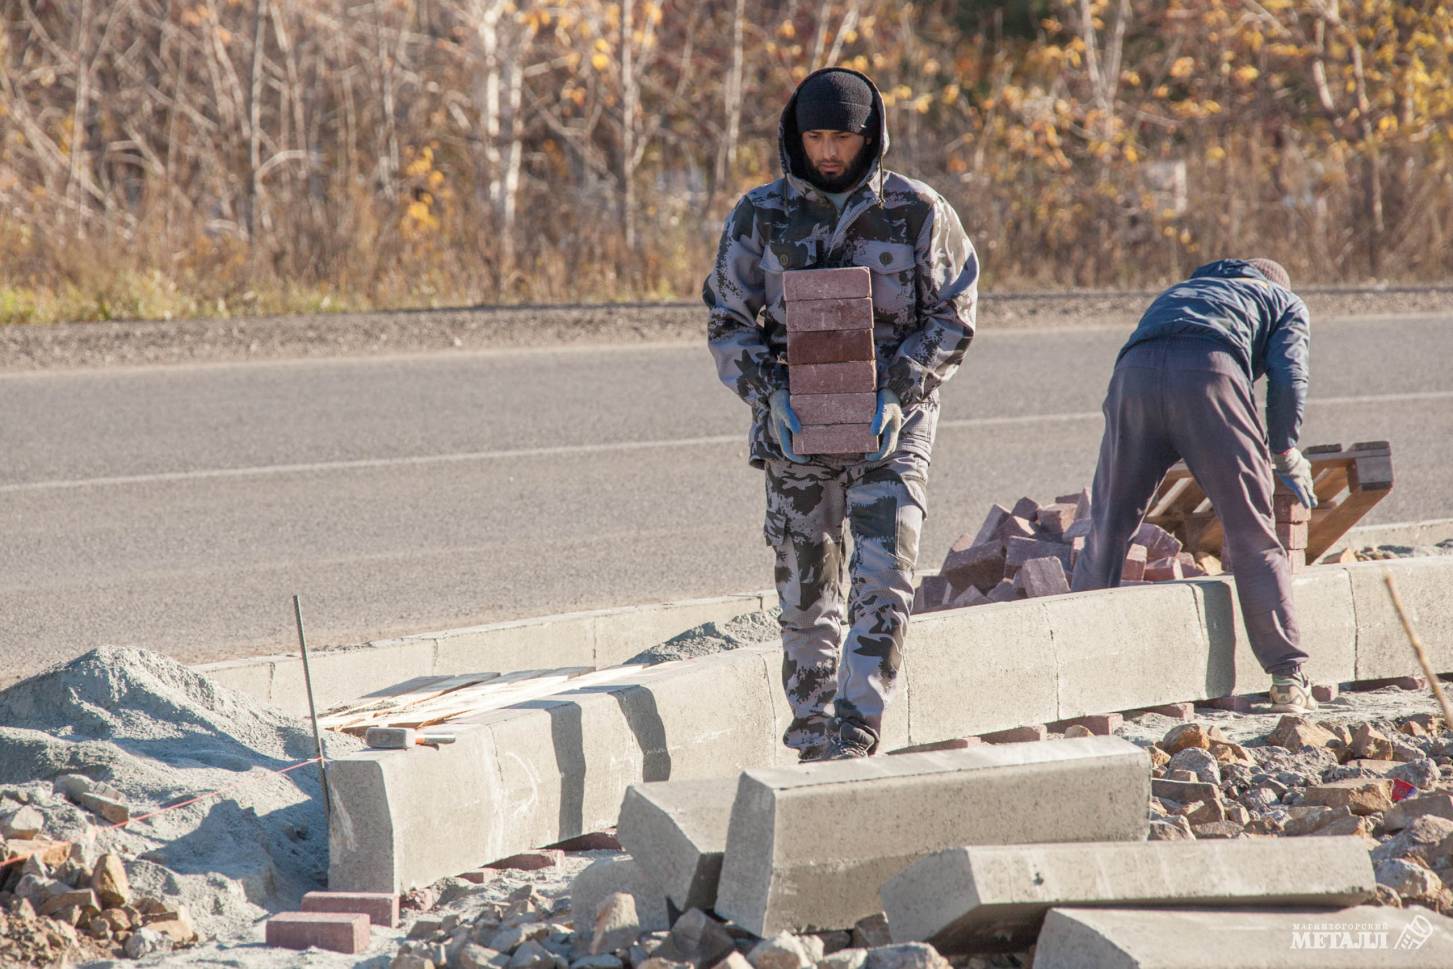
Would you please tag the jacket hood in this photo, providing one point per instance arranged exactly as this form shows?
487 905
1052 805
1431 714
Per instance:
789 139
1230 269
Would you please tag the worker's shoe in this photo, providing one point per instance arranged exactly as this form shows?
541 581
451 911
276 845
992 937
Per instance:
1292 693
812 752
850 741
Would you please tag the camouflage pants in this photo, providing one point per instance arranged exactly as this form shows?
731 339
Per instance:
811 509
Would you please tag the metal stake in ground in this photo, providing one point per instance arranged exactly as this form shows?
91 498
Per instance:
312 708
1428 674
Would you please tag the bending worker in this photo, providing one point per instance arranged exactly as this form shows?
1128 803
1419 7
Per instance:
1182 389
835 205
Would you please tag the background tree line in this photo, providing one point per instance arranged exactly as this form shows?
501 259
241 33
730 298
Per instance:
197 156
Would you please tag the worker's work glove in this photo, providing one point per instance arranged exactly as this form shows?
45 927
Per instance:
783 422
1295 472
887 422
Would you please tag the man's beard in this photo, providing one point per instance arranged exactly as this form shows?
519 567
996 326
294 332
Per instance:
848 177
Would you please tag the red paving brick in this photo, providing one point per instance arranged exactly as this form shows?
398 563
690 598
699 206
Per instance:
829 314
835 439
381 908
835 408
858 377
345 932
818 284
1016 735
1042 577
829 346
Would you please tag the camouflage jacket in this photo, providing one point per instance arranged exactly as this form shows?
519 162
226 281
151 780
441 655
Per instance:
925 283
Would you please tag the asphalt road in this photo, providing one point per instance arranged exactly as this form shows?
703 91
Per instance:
178 508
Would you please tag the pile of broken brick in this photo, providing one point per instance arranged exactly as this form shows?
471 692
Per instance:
1030 550
65 901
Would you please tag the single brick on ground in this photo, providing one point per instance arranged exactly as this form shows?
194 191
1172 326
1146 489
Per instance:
785 869
382 908
345 932
988 896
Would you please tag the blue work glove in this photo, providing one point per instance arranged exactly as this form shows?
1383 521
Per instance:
783 422
1295 472
887 422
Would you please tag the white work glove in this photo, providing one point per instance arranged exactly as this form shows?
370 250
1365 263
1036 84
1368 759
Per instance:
1295 472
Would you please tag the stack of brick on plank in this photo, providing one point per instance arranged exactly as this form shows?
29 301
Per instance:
1030 550
831 366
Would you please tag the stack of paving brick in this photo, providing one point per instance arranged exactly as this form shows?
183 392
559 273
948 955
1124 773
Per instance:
1292 521
831 368
1030 550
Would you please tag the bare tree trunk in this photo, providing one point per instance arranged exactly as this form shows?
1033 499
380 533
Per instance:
732 105
83 100
254 125
389 149
629 97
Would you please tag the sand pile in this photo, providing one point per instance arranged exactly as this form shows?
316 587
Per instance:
752 629
159 733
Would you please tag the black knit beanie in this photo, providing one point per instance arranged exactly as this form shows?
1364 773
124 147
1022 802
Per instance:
834 100
1272 271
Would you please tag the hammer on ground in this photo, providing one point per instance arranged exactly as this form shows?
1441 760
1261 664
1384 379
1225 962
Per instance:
402 738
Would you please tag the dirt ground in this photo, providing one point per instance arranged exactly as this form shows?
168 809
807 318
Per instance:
72 345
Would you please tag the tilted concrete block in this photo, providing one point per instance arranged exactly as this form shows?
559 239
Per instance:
1349 938
810 847
1382 645
677 832
1325 616
989 897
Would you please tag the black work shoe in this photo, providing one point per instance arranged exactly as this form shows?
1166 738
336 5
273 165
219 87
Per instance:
812 752
851 741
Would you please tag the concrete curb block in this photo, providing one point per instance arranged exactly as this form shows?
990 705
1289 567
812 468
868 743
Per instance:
598 638
554 768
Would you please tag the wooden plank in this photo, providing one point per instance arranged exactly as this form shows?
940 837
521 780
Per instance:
1339 521
1177 480
410 706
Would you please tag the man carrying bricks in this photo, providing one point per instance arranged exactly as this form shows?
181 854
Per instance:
836 206
1182 389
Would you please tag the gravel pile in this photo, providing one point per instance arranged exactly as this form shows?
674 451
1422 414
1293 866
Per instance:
753 629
